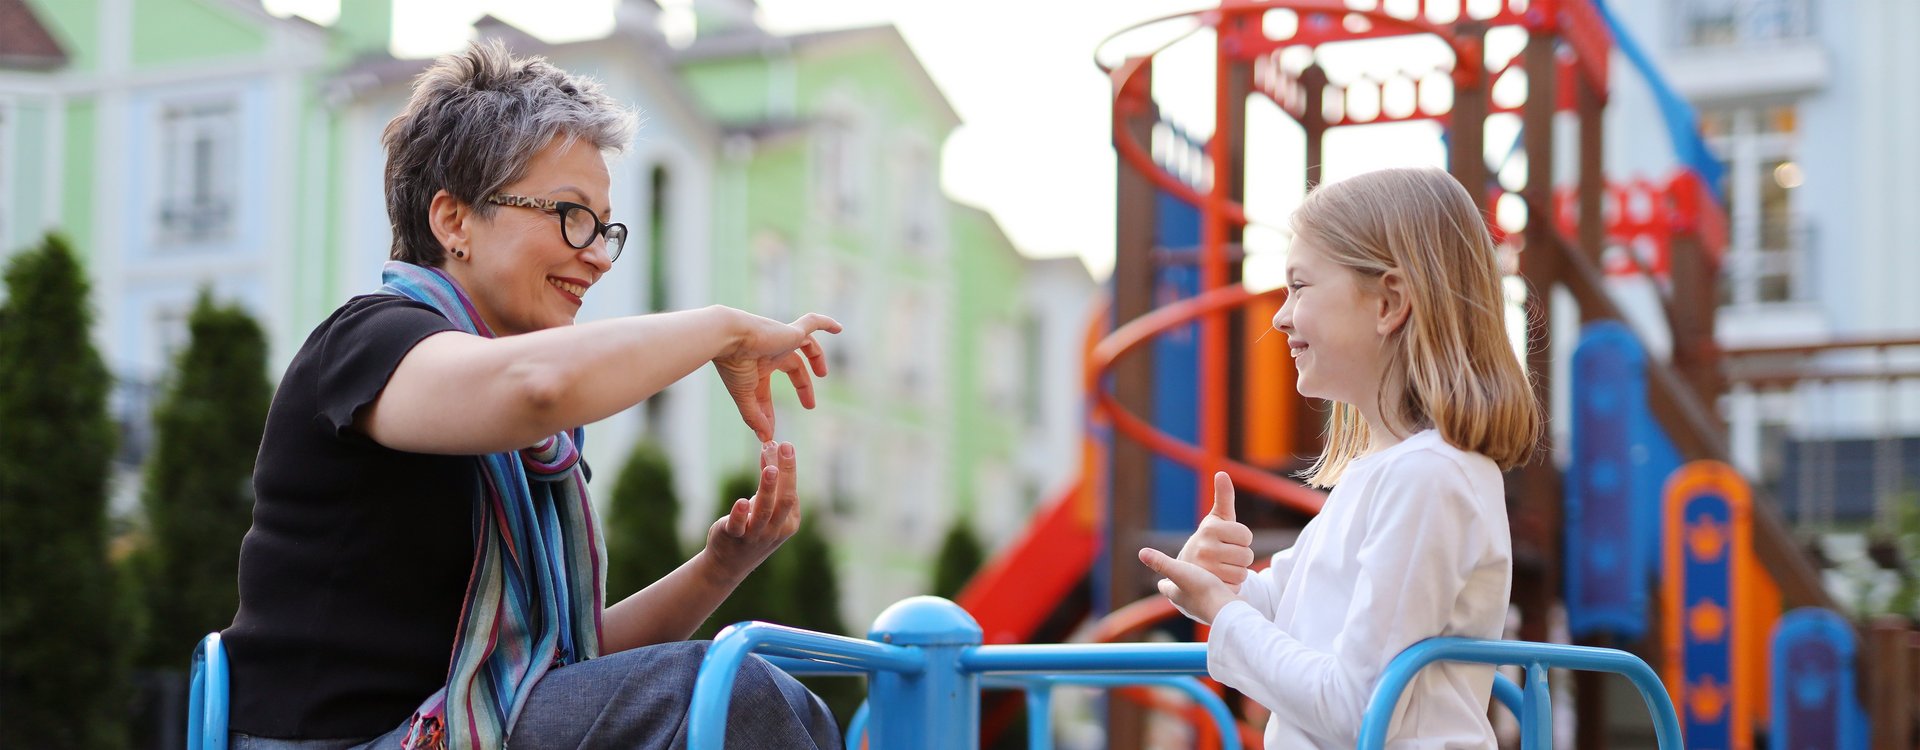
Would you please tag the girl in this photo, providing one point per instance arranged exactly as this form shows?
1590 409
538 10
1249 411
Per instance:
1394 314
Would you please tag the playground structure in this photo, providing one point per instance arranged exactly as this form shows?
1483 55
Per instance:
1175 392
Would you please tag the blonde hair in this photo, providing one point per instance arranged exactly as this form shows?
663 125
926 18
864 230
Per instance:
1449 366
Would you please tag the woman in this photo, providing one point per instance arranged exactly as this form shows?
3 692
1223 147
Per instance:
423 569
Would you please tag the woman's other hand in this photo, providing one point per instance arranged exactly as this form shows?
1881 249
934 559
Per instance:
1222 545
761 347
737 543
743 538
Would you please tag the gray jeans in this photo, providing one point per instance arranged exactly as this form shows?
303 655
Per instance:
636 699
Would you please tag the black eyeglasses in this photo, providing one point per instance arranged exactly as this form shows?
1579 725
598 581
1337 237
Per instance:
578 224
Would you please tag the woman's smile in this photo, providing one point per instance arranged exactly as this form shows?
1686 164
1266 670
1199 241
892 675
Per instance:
571 289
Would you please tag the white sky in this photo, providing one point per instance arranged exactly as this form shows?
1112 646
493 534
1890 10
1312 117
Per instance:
1035 148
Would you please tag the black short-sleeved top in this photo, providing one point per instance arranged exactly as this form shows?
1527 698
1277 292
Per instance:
353 575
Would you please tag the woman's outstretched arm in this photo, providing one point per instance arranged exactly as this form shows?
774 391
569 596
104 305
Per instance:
457 394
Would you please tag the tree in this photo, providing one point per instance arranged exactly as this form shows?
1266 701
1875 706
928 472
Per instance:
199 490
62 644
804 567
643 542
961 555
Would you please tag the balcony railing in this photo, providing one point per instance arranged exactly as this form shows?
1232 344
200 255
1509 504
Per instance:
1742 24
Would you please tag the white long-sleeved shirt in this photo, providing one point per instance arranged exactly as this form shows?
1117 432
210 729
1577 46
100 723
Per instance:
1412 544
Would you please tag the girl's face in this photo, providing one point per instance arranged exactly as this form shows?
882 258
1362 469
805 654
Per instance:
519 270
1332 322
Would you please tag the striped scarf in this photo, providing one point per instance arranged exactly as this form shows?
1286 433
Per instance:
539 566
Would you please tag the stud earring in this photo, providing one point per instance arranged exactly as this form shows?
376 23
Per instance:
461 254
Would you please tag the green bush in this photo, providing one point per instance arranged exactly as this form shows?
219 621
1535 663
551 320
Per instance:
643 542
961 555
804 566
198 495
63 647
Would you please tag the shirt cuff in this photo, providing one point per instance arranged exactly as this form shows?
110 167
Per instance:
1220 662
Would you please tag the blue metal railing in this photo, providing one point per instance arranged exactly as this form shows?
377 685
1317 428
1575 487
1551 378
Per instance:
1535 704
1039 694
207 696
1039 691
927 668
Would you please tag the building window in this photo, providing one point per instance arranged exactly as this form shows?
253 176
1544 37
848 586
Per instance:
1769 240
846 304
1775 433
656 410
198 171
1033 348
1723 24
904 328
657 270
131 402
1001 367
1780 253
773 275
919 181
842 170
915 483
6 180
170 331
997 508
914 337
842 461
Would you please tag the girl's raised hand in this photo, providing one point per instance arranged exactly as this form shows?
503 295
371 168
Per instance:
1222 545
1195 591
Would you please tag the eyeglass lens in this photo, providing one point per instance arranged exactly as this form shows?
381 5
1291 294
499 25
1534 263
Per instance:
579 225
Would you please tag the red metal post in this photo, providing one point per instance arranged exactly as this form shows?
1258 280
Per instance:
1213 266
1536 486
1888 664
1238 70
1133 376
1130 492
1467 124
1310 424
1590 706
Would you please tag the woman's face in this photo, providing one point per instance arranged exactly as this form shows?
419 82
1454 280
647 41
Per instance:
519 270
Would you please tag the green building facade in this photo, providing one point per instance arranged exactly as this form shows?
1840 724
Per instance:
183 143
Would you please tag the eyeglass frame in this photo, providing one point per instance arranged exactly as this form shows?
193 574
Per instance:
559 210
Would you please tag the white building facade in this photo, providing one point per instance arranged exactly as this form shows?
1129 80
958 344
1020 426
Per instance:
1809 106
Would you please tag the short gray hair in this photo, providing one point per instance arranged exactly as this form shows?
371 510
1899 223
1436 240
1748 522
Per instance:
475 119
